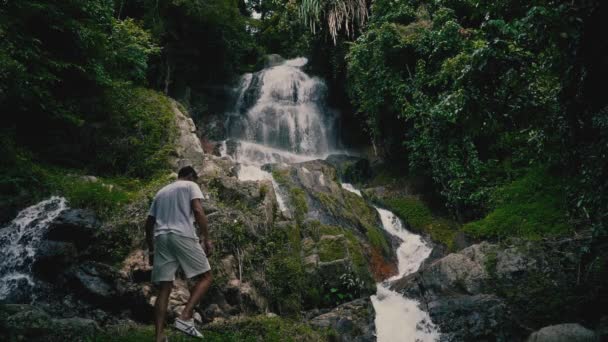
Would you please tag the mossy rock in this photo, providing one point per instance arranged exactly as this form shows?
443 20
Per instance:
420 219
531 207
332 247
248 329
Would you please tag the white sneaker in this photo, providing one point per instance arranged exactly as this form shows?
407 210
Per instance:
187 327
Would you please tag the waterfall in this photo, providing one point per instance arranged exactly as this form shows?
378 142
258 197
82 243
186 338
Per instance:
281 107
19 242
399 318
279 116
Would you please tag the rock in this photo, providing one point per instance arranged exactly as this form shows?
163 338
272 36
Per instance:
232 190
189 151
273 60
104 286
27 322
353 321
77 226
350 169
488 292
473 318
95 281
52 258
462 272
245 296
567 332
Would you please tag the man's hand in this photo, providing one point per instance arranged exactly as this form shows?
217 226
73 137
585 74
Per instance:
208 247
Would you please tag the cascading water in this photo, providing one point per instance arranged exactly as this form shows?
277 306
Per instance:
279 117
284 108
19 242
399 318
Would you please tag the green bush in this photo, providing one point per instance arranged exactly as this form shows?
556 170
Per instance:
532 207
471 92
138 137
286 281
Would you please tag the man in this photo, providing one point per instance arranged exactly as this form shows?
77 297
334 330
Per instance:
173 242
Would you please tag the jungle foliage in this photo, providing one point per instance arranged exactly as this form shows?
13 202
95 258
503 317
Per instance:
474 93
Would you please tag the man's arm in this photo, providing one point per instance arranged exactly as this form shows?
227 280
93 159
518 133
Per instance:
149 228
201 221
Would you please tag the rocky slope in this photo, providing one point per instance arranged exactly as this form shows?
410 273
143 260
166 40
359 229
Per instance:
305 260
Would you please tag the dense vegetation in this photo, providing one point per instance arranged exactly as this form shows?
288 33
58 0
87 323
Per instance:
476 94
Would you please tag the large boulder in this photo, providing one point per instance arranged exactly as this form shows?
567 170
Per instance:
353 321
567 332
104 286
498 292
52 258
77 226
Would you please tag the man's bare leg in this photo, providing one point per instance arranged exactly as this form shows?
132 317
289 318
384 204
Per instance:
196 294
160 308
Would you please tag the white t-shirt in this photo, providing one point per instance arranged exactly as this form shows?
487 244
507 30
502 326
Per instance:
172 209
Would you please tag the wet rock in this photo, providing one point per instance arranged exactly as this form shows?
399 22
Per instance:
52 258
77 226
353 321
567 332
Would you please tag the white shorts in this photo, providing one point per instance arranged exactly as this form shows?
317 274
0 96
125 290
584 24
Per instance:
172 251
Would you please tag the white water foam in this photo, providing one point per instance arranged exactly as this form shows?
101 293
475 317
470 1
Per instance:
399 318
19 242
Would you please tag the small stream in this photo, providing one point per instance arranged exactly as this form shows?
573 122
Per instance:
19 243
399 318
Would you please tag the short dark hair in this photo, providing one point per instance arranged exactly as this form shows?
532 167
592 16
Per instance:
187 171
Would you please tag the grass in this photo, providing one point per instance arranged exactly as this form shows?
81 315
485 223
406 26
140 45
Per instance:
259 328
531 207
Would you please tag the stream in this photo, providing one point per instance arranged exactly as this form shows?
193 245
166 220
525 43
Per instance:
399 318
19 243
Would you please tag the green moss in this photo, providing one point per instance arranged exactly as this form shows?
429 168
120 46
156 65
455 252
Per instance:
531 207
356 210
258 328
355 251
331 249
419 217
281 176
286 282
298 200
377 239
412 210
329 230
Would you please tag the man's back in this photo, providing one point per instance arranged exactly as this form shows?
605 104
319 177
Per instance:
172 209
